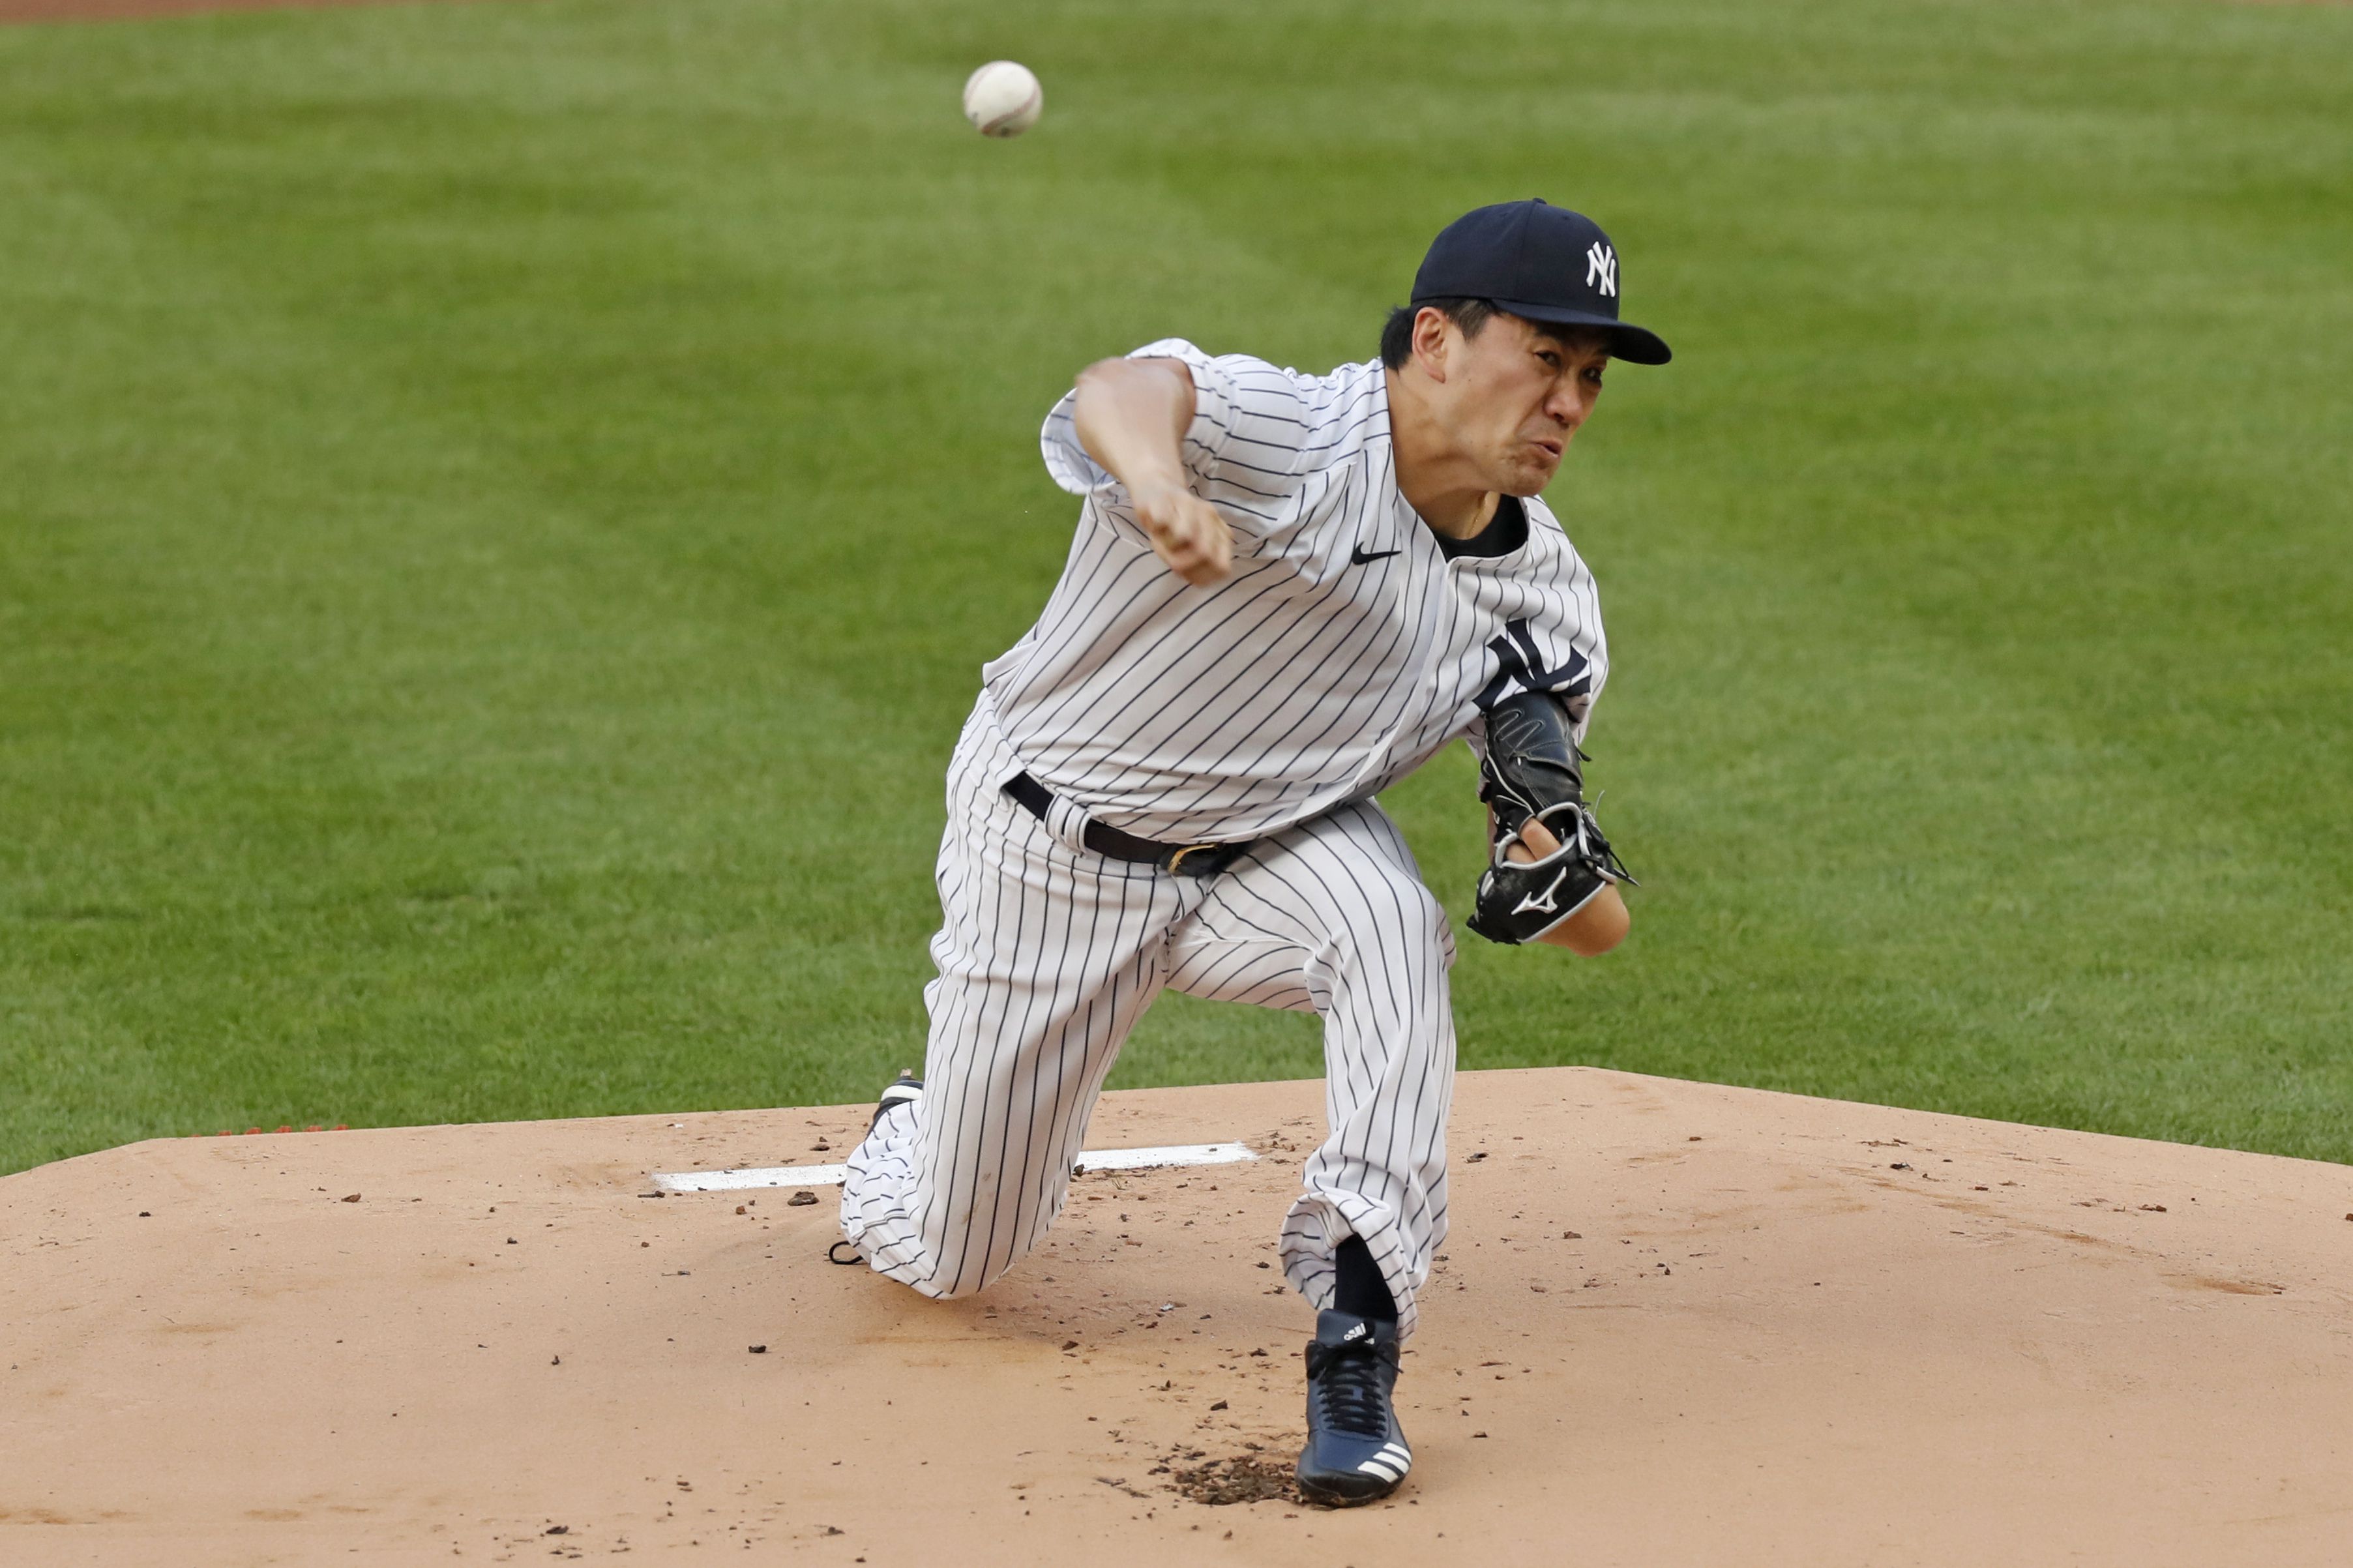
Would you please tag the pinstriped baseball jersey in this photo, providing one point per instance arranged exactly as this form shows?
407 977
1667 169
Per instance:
1343 651
1347 645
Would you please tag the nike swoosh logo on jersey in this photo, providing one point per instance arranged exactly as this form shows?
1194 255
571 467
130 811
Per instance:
1359 555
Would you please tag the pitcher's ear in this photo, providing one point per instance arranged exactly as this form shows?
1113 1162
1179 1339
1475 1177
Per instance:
1431 341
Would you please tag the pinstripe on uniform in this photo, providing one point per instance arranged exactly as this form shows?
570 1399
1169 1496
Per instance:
1342 653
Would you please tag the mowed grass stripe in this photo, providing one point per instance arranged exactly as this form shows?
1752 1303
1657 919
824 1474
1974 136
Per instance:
450 751
499 660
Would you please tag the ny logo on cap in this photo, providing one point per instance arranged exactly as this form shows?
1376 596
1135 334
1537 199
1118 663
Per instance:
1601 266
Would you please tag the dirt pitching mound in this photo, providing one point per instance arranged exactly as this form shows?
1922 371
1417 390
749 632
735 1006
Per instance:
1672 1323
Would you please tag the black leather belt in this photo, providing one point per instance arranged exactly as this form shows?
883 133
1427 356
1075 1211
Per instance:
1190 859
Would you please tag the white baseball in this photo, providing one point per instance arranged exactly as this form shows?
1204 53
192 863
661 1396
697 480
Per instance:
1003 99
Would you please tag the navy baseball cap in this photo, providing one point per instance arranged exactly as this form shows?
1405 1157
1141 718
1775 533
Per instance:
1544 263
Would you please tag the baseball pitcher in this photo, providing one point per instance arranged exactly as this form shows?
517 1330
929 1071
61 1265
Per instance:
1285 593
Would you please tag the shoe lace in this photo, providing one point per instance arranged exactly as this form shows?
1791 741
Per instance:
1348 1394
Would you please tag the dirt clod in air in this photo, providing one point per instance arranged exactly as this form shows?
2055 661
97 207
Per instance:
1242 1478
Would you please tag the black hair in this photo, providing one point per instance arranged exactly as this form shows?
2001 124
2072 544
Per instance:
1397 333
1470 315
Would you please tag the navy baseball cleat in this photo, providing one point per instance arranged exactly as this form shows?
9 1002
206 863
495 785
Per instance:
907 1086
1355 1452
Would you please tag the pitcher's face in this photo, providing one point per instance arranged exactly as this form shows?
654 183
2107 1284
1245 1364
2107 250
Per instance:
1515 396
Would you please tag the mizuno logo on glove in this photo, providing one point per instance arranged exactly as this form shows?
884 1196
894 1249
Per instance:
1542 902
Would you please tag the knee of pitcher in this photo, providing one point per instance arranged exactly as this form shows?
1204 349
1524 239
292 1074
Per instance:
1425 925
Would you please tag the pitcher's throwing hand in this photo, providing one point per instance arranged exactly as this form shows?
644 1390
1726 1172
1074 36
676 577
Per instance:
1188 533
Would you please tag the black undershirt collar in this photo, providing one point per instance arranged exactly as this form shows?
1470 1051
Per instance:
1505 533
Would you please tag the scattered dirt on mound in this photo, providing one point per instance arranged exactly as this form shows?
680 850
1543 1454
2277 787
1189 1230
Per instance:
1237 1478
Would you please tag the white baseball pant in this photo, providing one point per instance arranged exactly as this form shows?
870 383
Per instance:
1050 953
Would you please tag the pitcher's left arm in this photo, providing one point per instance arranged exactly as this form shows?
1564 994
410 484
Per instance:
1551 875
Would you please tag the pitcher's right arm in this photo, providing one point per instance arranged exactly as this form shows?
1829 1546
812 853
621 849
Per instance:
1131 416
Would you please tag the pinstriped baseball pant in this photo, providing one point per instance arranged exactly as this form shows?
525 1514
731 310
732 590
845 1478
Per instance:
1048 955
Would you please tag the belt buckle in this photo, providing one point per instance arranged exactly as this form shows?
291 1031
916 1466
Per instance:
1175 860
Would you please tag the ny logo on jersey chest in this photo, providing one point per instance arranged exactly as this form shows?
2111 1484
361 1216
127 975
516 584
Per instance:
1601 269
1520 666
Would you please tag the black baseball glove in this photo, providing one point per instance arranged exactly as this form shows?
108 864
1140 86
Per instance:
1533 772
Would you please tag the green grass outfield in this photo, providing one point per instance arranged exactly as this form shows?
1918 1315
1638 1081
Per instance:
502 508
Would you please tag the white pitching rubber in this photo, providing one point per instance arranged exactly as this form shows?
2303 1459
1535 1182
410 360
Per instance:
736 1181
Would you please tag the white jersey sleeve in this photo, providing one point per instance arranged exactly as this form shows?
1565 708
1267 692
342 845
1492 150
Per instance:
1242 451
